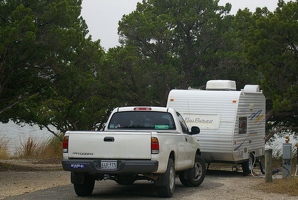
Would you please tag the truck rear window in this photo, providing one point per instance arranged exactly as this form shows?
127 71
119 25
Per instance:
144 120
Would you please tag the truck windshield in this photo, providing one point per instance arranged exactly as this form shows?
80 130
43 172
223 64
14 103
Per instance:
142 120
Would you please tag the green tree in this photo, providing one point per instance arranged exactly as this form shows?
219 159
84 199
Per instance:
271 45
126 76
49 69
179 41
35 37
233 61
76 100
135 79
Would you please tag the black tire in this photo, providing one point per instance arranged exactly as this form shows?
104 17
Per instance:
125 179
245 168
167 189
86 187
197 176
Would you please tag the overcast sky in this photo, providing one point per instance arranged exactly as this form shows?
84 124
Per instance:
102 16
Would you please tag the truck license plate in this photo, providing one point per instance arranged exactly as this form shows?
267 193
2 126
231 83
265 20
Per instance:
108 164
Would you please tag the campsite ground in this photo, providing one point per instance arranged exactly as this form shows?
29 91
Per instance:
27 176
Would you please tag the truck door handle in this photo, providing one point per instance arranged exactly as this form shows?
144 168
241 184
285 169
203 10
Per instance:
186 139
109 139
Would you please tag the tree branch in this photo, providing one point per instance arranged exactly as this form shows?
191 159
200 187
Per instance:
270 134
53 132
21 98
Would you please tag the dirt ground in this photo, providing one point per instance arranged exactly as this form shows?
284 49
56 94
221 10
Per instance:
25 176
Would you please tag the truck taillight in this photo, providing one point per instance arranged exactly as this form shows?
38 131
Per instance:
65 144
154 145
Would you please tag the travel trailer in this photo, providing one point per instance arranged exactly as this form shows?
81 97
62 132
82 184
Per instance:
232 122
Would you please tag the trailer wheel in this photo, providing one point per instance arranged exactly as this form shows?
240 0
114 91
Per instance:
166 184
245 168
85 188
195 176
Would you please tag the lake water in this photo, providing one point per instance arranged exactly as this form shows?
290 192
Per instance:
17 135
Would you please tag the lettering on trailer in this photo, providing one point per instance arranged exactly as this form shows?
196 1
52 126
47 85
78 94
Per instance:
198 120
202 121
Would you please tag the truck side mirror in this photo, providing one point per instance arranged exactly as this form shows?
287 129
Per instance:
195 130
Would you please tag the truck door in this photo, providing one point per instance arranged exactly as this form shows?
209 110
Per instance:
187 140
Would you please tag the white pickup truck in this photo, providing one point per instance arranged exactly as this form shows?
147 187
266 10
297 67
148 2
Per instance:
137 143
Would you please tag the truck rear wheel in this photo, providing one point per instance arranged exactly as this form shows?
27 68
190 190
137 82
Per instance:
195 176
166 184
85 188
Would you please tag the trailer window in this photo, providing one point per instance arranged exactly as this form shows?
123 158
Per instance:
242 125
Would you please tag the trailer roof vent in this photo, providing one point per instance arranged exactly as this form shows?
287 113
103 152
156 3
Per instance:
221 85
251 88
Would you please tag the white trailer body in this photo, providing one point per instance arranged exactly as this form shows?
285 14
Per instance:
232 122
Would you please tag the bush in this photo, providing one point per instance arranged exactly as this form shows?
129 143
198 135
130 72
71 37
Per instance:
3 149
52 148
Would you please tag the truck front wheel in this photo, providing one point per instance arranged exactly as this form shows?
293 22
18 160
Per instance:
165 185
86 186
195 176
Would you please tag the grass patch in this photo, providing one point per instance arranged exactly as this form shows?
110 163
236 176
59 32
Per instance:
28 149
287 185
3 149
282 186
32 156
49 149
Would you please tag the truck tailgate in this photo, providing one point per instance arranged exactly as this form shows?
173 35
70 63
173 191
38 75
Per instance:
110 145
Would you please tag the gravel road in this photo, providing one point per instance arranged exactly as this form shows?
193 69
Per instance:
217 185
